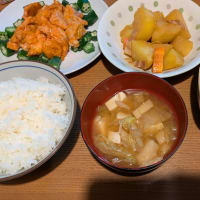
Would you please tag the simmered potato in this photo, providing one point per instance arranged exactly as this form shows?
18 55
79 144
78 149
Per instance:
165 32
167 47
182 45
126 33
173 60
176 17
144 24
157 41
159 16
142 51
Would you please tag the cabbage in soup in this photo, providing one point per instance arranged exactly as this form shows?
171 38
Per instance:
134 129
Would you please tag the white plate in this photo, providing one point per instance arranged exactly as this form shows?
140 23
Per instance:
73 61
121 13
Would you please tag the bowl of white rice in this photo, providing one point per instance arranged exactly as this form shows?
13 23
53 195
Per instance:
37 112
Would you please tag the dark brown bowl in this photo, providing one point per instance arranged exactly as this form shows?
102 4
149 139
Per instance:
138 81
34 70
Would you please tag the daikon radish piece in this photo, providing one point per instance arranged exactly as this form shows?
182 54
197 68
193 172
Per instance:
151 162
114 137
154 128
164 115
110 104
148 152
147 105
149 118
160 137
100 125
139 142
120 96
138 99
164 148
127 139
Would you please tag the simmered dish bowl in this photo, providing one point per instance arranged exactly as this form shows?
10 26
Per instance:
161 27
37 109
133 122
156 42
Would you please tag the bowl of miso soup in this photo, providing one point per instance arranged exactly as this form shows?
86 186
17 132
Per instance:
133 122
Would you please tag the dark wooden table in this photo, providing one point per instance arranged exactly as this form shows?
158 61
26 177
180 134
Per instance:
73 174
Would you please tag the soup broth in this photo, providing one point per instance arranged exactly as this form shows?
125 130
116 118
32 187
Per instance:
134 129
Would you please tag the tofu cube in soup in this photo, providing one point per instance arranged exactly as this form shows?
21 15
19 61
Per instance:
111 103
114 137
121 96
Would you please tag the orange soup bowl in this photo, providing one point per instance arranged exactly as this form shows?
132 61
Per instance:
133 81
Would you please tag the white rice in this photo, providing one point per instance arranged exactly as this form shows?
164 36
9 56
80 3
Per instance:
33 119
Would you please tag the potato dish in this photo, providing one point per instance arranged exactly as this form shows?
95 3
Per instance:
134 129
156 41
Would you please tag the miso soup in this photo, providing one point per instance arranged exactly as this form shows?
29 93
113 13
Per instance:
134 129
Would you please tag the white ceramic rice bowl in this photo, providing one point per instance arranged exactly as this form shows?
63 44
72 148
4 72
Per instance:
35 70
